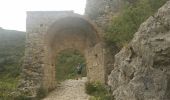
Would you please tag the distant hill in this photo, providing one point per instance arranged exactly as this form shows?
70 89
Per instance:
12 44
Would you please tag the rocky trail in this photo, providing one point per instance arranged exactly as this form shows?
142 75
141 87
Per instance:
69 90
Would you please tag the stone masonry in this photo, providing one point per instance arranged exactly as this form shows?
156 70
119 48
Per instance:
102 11
48 33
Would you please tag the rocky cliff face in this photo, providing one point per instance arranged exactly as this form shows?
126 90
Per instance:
142 68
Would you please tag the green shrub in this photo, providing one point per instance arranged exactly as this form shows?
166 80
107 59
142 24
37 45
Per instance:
7 86
41 93
97 91
22 97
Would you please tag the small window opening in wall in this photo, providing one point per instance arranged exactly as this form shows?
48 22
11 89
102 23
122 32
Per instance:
41 25
96 55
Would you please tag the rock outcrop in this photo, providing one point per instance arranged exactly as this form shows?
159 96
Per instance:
142 68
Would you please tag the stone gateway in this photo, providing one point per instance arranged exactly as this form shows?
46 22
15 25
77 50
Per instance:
48 33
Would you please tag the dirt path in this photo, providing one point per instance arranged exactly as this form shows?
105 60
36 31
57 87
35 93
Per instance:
69 90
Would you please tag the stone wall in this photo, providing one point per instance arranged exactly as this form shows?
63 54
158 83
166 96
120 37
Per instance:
95 62
48 33
102 11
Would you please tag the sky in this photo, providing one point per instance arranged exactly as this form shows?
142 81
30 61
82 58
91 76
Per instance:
13 12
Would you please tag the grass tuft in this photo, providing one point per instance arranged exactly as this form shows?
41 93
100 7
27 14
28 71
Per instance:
97 91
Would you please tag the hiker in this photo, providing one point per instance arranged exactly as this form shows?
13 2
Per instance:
79 70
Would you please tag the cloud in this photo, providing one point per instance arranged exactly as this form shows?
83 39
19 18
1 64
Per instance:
13 12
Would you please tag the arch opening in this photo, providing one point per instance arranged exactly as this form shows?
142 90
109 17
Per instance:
76 33
66 63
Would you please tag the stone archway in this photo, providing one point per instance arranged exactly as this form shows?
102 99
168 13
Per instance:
48 33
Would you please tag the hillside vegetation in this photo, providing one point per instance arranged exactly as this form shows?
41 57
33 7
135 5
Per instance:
11 53
12 46
66 63
127 21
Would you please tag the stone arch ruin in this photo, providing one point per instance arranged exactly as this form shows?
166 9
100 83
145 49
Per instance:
48 33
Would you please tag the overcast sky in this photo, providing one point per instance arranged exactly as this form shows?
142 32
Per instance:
13 12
